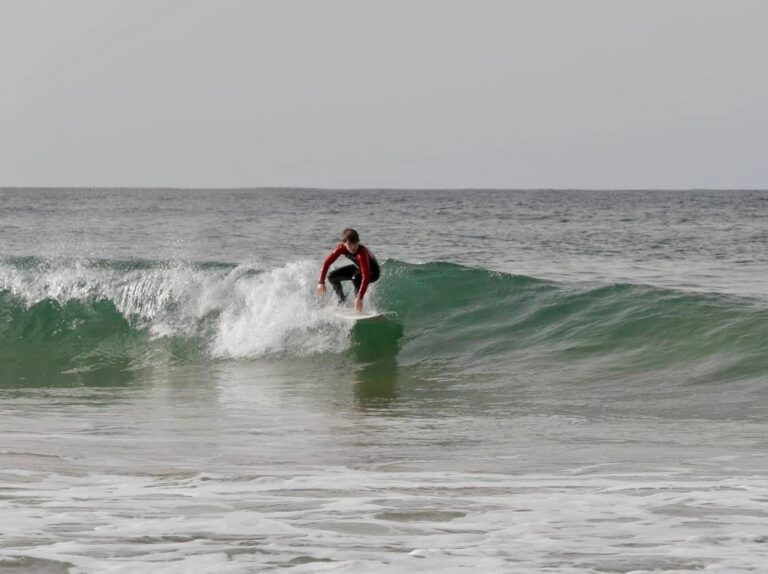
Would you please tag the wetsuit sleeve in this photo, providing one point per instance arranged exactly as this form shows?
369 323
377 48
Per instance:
333 256
365 270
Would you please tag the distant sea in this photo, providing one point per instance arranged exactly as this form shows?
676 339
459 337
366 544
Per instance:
572 382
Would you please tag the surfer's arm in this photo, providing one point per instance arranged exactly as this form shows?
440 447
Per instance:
332 256
365 270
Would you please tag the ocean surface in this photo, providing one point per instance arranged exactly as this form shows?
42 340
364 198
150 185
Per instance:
574 382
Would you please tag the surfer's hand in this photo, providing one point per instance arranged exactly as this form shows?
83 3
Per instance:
359 305
321 288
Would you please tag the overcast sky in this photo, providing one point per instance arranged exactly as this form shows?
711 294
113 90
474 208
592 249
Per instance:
384 93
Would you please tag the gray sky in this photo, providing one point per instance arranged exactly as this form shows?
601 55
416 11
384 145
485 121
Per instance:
384 93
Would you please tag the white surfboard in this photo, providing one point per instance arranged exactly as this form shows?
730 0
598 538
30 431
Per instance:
352 315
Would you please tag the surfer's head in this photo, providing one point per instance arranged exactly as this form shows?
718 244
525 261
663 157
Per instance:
351 239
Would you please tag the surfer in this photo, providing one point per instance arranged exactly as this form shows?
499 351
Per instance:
363 271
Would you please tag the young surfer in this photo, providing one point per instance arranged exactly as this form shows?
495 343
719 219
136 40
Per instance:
363 271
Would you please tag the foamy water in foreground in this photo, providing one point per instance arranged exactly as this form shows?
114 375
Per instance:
246 468
337 519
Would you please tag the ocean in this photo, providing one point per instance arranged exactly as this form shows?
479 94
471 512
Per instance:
572 382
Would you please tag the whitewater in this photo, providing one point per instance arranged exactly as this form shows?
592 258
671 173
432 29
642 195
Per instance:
573 382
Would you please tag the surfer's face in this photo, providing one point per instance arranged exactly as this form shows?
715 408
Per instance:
351 247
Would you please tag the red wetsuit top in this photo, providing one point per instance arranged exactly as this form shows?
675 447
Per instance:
362 258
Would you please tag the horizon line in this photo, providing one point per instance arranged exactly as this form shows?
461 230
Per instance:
310 188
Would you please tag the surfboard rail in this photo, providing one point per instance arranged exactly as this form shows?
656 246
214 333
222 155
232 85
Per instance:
352 315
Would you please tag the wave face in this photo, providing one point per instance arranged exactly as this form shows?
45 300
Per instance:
507 322
59 317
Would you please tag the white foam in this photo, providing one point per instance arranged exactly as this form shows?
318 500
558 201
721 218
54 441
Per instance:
339 519
275 312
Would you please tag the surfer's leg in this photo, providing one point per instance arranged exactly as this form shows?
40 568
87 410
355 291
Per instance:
336 276
357 279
